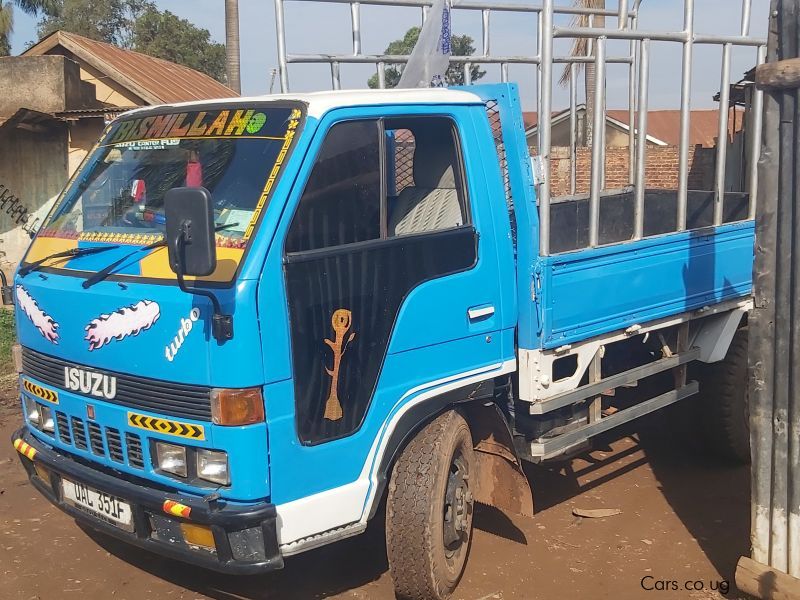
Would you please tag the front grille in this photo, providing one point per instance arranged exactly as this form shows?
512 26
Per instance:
91 436
96 439
63 428
135 456
79 433
114 444
162 397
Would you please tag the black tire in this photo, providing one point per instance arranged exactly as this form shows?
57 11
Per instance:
724 400
429 510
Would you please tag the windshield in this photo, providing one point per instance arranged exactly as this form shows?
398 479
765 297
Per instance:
118 197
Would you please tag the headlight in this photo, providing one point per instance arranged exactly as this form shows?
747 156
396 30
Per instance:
213 466
171 458
31 411
46 418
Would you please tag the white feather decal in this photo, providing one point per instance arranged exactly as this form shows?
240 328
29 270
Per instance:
129 320
40 319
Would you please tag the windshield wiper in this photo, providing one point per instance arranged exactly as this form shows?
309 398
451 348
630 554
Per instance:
101 275
71 253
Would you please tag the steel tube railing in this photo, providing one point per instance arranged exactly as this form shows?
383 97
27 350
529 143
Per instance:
657 36
641 139
722 136
494 6
598 126
573 127
485 16
686 100
746 8
381 66
631 112
545 110
355 22
622 17
485 60
280 38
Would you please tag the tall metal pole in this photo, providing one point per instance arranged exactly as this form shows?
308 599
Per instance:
280 37
641 139
232 53
686 99
598 166
545 111
722 135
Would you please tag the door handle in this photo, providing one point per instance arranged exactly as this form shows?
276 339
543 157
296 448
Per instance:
478 312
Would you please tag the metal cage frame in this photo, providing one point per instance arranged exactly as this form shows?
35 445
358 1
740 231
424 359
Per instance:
638 60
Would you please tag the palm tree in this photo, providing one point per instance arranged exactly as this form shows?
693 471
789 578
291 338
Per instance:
585 47
232 45
31 7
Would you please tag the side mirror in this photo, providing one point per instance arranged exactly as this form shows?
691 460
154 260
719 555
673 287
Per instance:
191 243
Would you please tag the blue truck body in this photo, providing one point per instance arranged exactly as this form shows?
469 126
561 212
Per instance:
320 490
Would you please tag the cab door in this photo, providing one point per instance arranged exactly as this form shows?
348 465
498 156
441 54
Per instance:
389 288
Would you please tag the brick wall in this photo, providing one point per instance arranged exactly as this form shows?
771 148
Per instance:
661 170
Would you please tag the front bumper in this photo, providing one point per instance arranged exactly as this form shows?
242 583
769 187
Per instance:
245 536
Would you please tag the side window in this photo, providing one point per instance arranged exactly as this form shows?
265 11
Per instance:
426 190
341 203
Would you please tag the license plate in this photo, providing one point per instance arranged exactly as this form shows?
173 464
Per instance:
98 504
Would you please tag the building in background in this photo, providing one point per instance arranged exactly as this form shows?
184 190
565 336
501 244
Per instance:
58 96
661 166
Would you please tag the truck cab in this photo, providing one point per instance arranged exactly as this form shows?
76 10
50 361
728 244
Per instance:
363 280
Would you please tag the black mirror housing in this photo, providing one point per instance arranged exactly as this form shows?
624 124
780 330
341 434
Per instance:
189 214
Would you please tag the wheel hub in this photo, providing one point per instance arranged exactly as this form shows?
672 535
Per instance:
457 505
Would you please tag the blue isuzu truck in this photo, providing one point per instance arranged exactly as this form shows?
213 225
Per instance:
248 325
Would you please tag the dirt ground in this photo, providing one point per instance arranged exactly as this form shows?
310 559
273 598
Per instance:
684 524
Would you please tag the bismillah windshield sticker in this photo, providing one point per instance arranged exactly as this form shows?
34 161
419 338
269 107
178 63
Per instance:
190 125
340 321
40 319
129 320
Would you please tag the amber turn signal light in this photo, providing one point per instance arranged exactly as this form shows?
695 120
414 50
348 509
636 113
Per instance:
237 407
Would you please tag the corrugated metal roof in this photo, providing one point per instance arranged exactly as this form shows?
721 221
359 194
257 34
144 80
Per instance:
154 80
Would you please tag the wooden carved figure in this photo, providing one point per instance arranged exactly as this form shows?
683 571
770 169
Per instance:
340 321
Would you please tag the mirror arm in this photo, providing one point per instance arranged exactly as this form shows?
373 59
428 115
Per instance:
221 324
6 291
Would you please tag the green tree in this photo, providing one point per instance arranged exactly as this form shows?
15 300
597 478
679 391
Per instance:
167 36
32 7
103 20
462 45
137 25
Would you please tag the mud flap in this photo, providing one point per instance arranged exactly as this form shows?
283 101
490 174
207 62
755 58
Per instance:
501 482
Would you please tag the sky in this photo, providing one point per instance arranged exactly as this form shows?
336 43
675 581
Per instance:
324 28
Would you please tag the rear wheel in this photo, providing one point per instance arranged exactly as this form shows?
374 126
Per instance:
429 510
724 401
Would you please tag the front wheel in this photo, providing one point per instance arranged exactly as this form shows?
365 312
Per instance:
429 510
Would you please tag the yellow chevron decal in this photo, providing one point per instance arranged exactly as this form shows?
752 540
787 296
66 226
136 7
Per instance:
40 392
167 427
